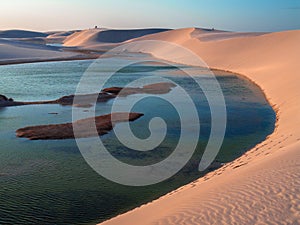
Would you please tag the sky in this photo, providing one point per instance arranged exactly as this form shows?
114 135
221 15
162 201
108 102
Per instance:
234 15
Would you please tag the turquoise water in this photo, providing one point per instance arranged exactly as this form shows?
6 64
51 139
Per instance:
48 182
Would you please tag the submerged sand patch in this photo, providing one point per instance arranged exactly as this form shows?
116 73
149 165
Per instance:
103 123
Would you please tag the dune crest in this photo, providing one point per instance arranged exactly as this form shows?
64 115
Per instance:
86 38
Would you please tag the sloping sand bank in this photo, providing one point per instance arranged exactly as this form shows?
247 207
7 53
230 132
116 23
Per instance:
262 186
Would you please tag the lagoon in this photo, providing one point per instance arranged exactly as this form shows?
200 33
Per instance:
48 182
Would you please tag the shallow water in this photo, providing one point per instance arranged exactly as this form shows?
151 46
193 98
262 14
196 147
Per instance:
48 182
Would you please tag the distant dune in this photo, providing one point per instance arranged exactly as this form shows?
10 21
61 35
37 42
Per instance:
21 34
95 36
22 46
59 36
215 35
21 51
61 33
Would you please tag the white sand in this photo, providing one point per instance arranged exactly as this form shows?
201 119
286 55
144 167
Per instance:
262 186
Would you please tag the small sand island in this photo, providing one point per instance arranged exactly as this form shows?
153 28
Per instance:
88 99
104 124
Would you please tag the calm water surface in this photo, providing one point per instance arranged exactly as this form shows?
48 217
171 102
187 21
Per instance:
48 182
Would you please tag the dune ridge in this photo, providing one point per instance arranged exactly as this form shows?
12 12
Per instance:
86 38
22 46
262 186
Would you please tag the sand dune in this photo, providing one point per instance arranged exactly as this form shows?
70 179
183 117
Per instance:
262 186
92 37
18 51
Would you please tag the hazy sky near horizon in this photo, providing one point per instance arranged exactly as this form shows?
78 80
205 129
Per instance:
235 15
